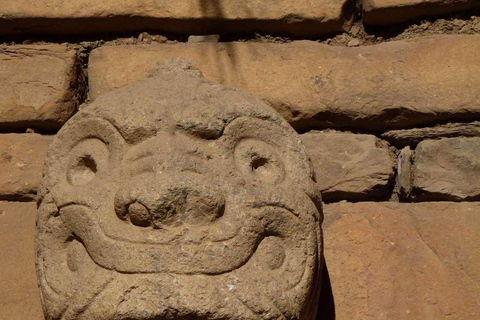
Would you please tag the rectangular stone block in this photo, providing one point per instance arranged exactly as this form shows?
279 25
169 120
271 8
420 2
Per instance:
21 164
311 18
386 12
403 260
350 166
19 293
411 137
391 85
446 169
40 86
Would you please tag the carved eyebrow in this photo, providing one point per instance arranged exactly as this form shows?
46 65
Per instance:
201 129
143 154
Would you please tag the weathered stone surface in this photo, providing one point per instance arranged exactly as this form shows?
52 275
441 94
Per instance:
312 85
193 201
207 38
385 12
19 293
350 166
38 86
21 164
447 169
404 261
411 137
188 17
404 173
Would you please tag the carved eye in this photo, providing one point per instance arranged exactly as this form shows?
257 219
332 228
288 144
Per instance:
259 160
86 160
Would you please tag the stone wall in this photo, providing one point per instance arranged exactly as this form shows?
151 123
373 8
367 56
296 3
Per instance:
385 94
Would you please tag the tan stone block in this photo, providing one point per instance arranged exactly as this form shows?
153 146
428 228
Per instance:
447 169
350 166
38 86
390 85
404 261
411 137
385 12
21 164
19 293
199 17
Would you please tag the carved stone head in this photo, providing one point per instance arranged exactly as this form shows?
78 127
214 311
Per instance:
177 198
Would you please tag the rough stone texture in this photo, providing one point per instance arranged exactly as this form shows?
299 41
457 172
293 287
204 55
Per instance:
39 86
350 166
404 173
207 38
411 137
21 164
193 201
447 169
186 17
404 261
19 293
386 12
390 85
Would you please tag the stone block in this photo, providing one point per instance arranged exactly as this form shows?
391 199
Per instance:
387 86
386 12
19 293
411 137
350 166
201 39
40 86
21 164
446 169
186 17
404 261
404 173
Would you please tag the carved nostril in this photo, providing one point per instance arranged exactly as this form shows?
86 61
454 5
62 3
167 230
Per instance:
161 201
139 215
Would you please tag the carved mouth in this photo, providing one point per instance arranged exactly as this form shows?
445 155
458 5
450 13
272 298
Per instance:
184 255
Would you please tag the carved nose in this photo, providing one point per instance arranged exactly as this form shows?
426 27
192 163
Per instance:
162 200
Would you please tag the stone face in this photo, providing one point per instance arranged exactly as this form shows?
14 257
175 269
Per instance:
350 166
386 12
404 261
313 86
188 17
21 164
447 169
19 293
411 137
178 198
39 86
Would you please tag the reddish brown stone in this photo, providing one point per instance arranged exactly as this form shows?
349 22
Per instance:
19 293
404 261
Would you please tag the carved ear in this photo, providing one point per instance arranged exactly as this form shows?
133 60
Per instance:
82 148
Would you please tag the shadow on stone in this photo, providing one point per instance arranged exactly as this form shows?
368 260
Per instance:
326 307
